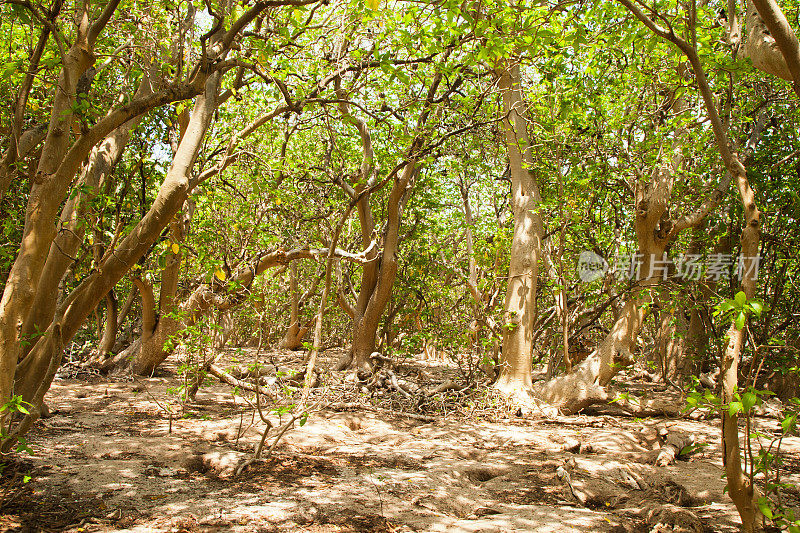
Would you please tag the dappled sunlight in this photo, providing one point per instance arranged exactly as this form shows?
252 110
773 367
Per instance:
342 469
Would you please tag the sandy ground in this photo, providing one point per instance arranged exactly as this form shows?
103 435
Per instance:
110 459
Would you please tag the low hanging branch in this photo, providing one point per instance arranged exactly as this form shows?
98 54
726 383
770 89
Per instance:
225 296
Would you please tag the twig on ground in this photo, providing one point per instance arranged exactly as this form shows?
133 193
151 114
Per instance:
353 406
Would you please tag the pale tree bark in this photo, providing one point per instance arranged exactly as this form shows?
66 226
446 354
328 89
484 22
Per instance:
587 382
110 327
365 334
57 167
163 324
515 378
58 164
110 340
366 180
740 486
149 351
34 375
771 43
47 190
102 161
655 231
96 176
671 342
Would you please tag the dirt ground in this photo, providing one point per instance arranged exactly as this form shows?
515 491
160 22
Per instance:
112 459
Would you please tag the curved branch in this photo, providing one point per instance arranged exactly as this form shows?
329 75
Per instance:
772 16
102 21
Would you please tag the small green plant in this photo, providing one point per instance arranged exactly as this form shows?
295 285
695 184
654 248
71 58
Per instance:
197 340
765 463
15 405
738 309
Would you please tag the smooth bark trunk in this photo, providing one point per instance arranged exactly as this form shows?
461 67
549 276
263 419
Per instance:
515 378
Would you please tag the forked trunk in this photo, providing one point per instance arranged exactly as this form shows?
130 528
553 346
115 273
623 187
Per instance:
585 385
587 382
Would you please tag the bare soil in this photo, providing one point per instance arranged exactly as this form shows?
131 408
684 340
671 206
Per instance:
111 458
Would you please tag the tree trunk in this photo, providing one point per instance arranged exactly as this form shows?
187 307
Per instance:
520 305
63 250
293 338
365 331
47 191
671 342
378 274
110 328
740 486
655 230
33 377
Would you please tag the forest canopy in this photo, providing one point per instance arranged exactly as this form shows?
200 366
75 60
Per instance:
552 197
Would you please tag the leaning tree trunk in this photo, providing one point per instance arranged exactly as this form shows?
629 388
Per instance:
47 192
36 371
31 378
655 231
102 161
587 382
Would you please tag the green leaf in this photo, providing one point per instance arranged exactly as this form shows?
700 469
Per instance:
788 424
748 401
740 298
765 507
734 407
740 320
757 308
373 4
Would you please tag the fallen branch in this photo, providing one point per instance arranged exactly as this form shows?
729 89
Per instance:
674 443
224 376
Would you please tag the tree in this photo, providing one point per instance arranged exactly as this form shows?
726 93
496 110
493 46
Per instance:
57 166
